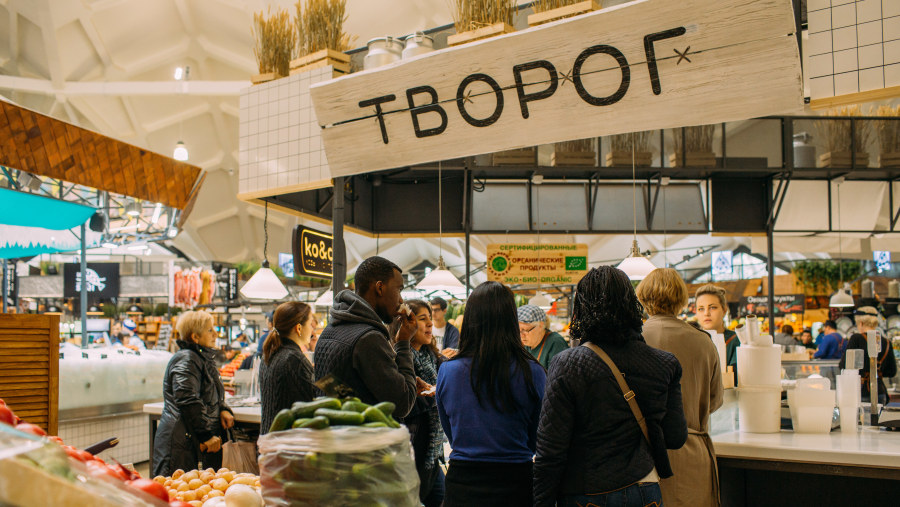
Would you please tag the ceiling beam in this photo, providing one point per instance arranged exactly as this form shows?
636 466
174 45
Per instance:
131 88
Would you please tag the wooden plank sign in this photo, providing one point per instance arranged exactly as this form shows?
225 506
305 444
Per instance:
564 263
644 65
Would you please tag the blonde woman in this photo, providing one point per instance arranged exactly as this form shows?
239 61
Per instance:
695 482
195 412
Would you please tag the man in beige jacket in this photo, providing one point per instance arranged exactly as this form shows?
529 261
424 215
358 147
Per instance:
696 482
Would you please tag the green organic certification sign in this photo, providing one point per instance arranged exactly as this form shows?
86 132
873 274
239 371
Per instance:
537 264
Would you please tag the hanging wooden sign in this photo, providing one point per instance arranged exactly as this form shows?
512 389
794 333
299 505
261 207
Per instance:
559 264
643 65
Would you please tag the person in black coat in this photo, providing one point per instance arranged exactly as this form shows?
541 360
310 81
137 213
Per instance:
590 448
286 375
867 320
195 414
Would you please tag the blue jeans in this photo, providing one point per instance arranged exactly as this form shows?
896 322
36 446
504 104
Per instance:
642 494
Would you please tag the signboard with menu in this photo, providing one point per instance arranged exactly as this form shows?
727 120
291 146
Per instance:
313 253
759 305
558 264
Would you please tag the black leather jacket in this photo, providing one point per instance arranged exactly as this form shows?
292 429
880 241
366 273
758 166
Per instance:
194 399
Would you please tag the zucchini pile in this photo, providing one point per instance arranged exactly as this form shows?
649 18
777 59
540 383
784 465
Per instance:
325 412
356 455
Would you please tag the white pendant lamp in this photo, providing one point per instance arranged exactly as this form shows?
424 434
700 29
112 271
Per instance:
326 299
636 266
181 152
264 284
541 301
842 298
440 278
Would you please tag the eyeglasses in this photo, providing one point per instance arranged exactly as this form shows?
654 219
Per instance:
526 331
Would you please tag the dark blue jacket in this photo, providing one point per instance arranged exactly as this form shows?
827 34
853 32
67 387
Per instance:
832 347
451 337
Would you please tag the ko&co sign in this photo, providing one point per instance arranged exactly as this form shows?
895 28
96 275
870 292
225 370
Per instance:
313 252
644 65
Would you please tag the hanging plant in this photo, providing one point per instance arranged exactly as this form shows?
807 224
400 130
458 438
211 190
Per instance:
825 275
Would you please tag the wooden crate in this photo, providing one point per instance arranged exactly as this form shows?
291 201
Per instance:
29 367
564 158
539 18
264 78
889 160
841 159
523 156
340 62
481 33
693 159
623 158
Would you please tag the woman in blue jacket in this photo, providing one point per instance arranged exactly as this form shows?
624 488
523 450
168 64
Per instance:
489 401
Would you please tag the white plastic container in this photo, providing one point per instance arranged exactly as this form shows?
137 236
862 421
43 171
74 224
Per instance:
813 419
849 418
759 366
759 409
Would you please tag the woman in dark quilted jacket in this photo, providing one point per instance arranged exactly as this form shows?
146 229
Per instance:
590 447
195 412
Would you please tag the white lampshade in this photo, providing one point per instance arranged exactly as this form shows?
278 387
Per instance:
541 300
180 152
636 266
264 284
440 279
326 299
842 298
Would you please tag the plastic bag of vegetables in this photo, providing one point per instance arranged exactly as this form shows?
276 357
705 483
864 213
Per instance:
338 466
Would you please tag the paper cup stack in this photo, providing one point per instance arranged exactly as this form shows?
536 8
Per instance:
759 380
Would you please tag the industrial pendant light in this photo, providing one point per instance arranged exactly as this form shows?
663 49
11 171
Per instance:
264 284
636 266
440 278
181 152
842 298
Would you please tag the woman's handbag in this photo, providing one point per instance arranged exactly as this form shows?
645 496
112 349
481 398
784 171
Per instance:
626 391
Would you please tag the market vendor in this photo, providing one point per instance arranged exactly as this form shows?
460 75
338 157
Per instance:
711 310
536 336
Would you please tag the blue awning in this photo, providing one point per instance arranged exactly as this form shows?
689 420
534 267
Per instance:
30 210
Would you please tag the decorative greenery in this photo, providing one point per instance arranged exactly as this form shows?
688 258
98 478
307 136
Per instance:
622 142
320 25
888 131
824 275
474 14
45 267
698 139
274 41
836 133
546 5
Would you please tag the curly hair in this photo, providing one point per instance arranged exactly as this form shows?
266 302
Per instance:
605 309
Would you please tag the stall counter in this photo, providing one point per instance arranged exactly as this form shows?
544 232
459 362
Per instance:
790 469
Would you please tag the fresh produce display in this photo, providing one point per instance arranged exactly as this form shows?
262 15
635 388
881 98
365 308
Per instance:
331 452
229 369
201 487
325 412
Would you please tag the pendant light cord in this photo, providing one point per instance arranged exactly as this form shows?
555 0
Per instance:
840 241
633 189
440 216
266 235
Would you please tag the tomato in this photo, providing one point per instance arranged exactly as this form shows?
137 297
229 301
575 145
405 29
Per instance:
150 487
72 452
7 416
56 439
84 455
30 428
98 469
117 471
2 403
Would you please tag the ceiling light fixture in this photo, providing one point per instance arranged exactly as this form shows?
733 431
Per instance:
842 298
264 284
179 73
636 266
181 152
173 231
440 278
133 208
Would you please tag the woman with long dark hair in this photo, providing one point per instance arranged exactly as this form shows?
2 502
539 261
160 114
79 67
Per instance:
489 400
286 375
423 422
591 445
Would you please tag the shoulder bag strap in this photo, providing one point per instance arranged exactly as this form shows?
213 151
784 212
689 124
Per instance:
626 391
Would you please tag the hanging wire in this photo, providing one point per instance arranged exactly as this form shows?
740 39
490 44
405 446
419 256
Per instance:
440 216
633 189
665 233
840 241
266 234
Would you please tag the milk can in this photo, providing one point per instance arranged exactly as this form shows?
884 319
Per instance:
382 51
417 44
804 153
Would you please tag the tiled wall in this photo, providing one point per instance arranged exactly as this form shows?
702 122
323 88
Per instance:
133 432
280 140
854 46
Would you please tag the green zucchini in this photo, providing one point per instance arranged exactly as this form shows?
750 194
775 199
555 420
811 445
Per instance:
308 408
372 414
355 406
282 421
316 423
309 491
298 422
387 408
375 424
341 417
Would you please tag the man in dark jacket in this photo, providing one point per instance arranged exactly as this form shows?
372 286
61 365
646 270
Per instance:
445 333
355 347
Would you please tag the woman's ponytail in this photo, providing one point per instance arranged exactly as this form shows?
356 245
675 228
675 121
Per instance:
272 343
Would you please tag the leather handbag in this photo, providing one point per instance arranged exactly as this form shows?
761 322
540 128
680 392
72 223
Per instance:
626 391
